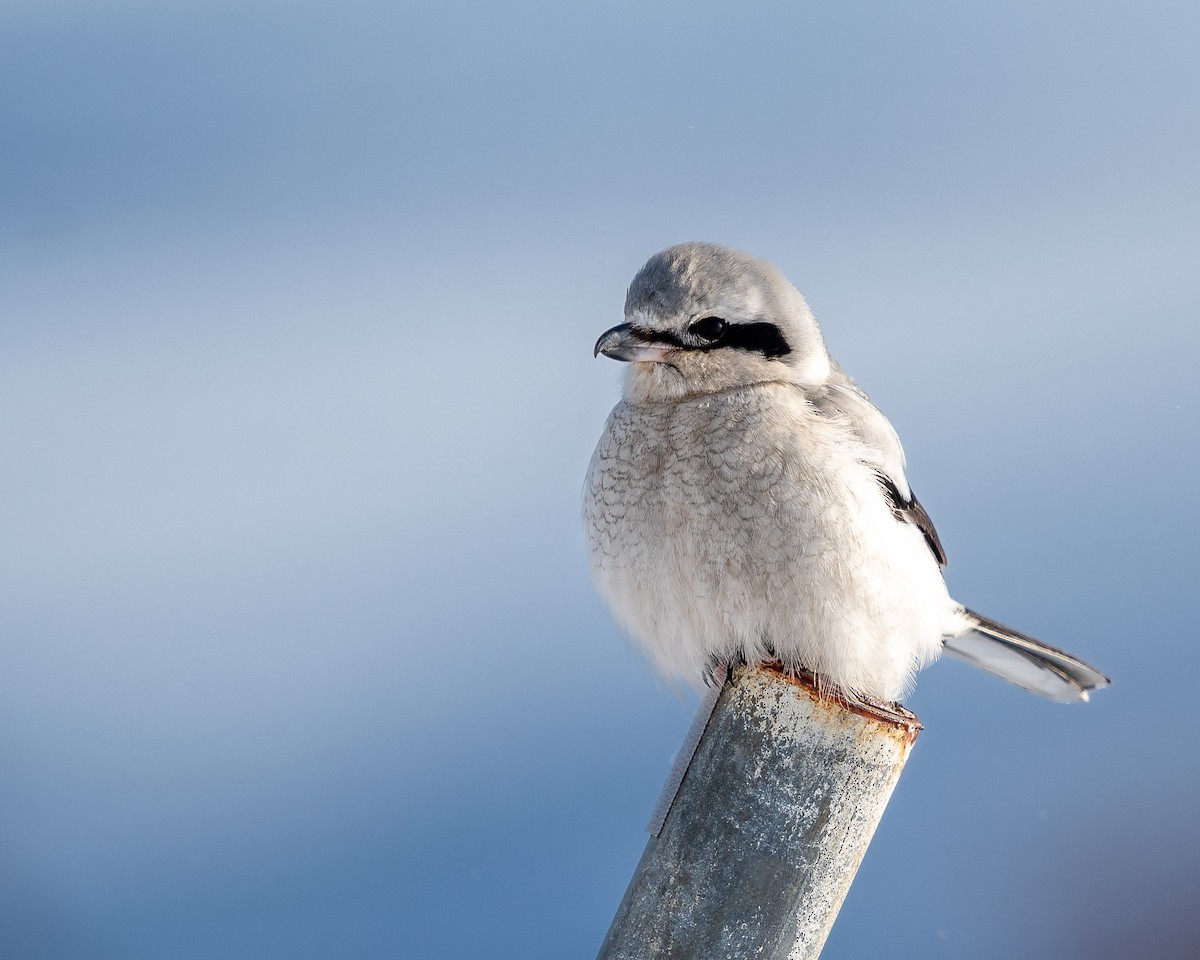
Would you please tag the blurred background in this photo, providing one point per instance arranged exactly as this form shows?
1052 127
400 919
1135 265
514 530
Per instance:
299 652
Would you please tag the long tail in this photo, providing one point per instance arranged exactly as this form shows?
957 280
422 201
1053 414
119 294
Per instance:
1020 659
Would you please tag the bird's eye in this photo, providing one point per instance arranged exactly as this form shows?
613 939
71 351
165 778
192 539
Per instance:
708 328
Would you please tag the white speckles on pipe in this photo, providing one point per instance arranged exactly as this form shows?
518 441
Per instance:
768 827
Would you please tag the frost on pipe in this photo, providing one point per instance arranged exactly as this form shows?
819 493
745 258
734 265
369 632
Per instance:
770 821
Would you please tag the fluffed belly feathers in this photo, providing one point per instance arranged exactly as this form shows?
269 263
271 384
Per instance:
743 524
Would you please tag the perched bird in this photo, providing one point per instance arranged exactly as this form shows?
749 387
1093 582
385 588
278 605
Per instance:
747 500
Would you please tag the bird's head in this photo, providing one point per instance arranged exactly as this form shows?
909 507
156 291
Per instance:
701 318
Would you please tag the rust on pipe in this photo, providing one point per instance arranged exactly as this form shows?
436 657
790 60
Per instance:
774 811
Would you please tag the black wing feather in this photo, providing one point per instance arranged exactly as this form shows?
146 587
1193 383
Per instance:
911 511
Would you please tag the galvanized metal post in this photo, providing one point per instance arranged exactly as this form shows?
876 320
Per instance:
770 821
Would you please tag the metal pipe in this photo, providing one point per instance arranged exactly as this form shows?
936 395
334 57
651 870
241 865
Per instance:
772 816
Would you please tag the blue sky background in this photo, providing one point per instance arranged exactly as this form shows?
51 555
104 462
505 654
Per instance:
299 653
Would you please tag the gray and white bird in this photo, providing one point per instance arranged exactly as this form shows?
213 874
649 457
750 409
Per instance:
747 500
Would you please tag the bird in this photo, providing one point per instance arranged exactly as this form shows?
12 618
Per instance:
748 503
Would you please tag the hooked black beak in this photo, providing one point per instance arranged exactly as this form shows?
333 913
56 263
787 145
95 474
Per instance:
625 343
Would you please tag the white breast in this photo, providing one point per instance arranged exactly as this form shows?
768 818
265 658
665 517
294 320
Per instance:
743 523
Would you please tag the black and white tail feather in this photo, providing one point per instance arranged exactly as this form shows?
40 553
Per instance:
1023 660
